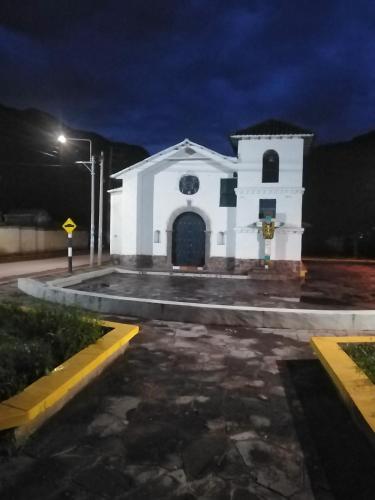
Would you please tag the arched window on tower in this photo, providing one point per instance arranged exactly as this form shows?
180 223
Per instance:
270 172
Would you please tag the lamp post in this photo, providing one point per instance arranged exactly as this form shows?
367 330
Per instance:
90 165
100 223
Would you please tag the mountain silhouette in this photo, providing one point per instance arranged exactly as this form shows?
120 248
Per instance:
37 172
339 201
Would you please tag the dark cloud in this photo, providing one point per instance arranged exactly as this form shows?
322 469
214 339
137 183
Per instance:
153 72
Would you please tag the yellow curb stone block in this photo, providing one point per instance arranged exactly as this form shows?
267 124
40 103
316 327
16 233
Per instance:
11 417
52 388
351 381
30 400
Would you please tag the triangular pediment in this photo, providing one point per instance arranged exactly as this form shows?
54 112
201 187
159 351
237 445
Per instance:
183 151
187 153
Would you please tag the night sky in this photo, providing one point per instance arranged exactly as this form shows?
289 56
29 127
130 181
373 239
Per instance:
152 72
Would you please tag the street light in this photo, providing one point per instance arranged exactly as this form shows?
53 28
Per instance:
90 165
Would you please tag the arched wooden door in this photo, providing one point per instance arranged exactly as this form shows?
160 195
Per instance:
188 240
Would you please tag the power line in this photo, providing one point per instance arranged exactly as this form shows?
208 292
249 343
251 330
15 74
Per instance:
26 164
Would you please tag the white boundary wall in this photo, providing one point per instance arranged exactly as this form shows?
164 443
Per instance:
24 240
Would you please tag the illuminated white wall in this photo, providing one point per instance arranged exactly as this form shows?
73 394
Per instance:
150 200
168 200
116 230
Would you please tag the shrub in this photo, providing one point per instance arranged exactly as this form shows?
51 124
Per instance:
34 341
363 354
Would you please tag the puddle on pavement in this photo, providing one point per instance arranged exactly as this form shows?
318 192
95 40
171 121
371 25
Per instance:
323 301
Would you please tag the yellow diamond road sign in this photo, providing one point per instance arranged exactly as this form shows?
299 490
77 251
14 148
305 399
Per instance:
69 225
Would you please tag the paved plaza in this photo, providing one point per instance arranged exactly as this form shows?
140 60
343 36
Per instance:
189 412
328 286
195 412
204 412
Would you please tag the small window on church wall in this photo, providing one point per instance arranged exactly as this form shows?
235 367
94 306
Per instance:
157 236
267 207
228 197
270 171
189 184
221 238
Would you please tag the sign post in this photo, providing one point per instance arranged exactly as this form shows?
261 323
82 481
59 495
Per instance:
69 226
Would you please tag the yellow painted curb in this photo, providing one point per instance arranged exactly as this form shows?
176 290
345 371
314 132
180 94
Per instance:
354 385
48 391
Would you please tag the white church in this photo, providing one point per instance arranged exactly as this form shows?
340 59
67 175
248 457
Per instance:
190 208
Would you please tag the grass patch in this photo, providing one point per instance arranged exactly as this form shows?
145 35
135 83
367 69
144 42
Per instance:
34 341
363 354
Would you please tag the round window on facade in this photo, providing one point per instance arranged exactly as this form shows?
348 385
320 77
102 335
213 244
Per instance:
189 184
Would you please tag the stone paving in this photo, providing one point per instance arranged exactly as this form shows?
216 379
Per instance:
196 412
188 413
328 286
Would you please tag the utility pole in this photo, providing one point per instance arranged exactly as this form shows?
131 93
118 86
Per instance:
92 221
100 224
90 165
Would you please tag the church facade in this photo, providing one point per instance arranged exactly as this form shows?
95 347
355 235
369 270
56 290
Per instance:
188 207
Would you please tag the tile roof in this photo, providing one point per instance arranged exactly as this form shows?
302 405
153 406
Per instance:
272 127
